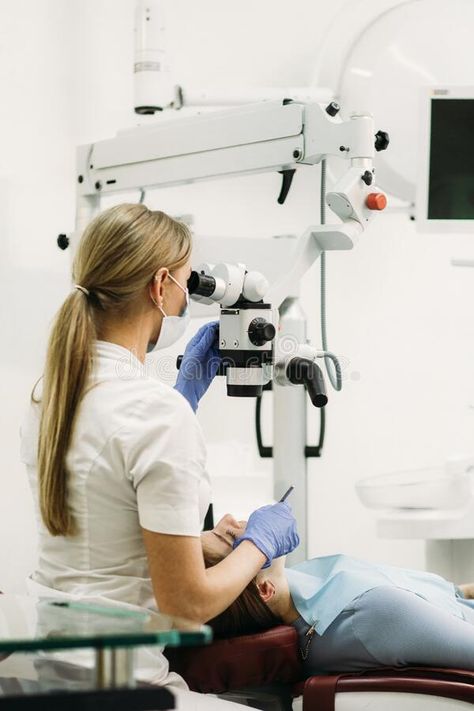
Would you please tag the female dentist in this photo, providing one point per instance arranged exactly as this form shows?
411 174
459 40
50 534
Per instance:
116 459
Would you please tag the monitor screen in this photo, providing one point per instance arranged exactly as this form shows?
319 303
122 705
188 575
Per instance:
451 164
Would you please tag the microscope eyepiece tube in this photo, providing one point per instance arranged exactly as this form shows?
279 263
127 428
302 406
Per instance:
201 284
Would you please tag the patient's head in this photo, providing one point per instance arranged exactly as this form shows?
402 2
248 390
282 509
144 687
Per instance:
257 607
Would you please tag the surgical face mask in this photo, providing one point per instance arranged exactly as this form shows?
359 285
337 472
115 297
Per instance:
172 327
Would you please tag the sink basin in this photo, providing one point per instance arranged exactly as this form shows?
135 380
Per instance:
420 489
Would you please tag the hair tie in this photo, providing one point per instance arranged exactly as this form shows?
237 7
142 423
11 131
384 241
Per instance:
82 288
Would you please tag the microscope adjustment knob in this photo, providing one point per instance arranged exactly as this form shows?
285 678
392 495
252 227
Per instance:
368 177
382 140
333 108
376 201
261 331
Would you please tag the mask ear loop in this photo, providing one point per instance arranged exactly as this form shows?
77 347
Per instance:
185 291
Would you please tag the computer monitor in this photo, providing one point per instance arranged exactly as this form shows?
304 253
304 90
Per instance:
445 189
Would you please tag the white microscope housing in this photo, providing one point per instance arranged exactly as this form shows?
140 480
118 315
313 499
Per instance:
247 325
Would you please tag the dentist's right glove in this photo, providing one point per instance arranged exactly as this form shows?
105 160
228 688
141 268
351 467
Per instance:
200 363
273 530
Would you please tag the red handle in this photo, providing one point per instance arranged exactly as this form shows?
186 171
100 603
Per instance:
376 201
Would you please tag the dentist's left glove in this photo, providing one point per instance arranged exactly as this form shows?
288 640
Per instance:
272 529
200 362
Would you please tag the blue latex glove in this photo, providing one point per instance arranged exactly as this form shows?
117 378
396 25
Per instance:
200 362
273 530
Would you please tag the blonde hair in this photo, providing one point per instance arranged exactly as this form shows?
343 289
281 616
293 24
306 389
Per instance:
119 253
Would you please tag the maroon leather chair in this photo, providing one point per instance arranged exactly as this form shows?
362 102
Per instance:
272 657
240 662
319 692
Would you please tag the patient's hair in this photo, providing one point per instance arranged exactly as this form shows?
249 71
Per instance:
248 614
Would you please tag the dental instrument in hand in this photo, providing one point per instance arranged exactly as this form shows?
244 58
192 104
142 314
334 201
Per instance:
286 494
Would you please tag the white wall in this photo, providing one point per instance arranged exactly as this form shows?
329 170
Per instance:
397 310
37 135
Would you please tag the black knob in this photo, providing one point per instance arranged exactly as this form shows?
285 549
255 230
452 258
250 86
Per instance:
332 109
261 331
63 241
368 177
382 139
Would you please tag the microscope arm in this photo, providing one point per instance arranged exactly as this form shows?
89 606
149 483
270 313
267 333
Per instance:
308 248
262 137
354 201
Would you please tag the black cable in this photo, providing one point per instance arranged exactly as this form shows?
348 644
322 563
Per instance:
311 451
265 451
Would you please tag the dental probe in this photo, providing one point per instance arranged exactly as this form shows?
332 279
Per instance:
286 494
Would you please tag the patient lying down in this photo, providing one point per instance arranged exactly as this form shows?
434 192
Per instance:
350 614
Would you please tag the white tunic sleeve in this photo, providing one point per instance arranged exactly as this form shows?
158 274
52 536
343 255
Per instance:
165 458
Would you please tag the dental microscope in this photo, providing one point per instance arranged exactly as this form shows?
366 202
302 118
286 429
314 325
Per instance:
247 331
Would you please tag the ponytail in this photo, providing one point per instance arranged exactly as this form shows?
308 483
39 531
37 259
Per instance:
68 368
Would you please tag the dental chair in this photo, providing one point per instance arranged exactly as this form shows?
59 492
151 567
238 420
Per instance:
264 671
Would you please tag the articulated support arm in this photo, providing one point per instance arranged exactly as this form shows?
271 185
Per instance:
354 201
308 248
260 137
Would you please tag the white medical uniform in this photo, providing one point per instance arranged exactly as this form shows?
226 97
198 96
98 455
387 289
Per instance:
136 460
